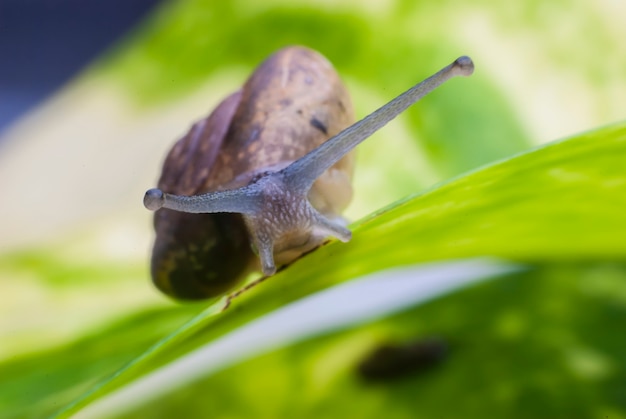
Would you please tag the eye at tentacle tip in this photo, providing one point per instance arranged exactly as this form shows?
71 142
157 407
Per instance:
154 199
464 65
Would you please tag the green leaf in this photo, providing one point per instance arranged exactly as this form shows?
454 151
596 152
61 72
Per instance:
518 347
561 202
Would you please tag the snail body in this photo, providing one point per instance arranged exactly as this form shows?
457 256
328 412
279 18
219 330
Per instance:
268 172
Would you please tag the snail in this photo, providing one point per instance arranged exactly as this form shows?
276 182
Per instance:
265 177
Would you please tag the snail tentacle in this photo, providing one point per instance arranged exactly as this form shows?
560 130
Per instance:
243 201
303 172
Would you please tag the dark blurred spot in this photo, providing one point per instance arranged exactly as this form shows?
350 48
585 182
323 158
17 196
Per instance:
392 361
316 123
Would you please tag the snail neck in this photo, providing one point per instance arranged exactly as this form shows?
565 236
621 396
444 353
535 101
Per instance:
286 225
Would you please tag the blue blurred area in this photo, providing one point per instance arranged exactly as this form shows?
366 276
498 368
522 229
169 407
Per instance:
43 43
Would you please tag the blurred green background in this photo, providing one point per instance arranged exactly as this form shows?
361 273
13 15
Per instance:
77 304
